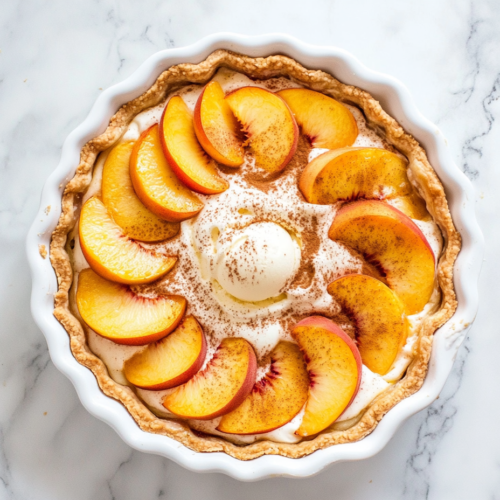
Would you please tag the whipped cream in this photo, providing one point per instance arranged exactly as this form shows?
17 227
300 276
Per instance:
291 253
371 386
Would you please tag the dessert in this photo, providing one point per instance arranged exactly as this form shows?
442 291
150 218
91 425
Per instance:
267 275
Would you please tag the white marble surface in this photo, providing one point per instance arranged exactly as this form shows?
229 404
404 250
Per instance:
56 56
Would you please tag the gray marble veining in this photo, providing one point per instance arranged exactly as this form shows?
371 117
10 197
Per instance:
55 57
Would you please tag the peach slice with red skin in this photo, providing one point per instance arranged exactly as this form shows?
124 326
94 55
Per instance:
271 130
324 121
124 206
349 174
156 184
112 254
188 160
392 242
378 316
118 314
275 399
171 361
216 127
220 387
334 366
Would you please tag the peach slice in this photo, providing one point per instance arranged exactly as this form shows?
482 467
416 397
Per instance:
217 128
411 205
220 387
334 366
156 184
350 173
324 121
378 315
116 313
183 151
275 399
269 125
123 204
112 254
171 361
393 243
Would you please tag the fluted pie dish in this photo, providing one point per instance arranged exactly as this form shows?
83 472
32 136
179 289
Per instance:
253 258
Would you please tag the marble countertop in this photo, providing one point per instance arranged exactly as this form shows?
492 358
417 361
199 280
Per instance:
55 58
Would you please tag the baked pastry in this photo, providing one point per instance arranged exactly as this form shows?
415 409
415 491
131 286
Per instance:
254 257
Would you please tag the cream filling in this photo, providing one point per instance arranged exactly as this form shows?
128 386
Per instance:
258 322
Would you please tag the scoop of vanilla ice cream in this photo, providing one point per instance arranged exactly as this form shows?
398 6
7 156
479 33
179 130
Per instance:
258 262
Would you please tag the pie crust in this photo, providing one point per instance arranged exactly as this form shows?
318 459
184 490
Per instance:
423 176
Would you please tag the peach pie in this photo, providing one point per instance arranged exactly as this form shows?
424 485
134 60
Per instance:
253 258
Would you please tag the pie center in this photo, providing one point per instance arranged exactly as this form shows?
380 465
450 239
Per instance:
257 262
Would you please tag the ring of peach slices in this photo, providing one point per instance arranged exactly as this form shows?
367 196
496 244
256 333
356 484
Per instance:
150 185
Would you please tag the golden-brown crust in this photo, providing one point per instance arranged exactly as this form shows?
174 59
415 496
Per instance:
422 173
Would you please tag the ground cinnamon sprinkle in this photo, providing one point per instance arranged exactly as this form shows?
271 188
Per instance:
267 182
256 196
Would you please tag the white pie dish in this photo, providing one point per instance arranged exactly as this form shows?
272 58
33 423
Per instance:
396 100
